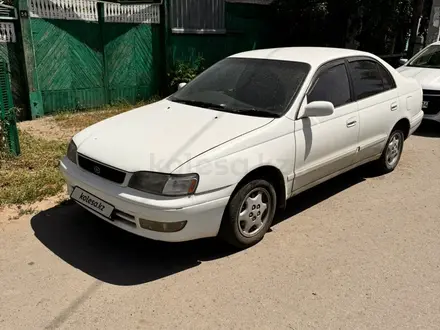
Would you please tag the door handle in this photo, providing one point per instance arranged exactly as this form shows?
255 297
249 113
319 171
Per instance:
351 122
394 107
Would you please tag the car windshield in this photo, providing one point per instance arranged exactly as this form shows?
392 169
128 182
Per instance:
429 58
256 87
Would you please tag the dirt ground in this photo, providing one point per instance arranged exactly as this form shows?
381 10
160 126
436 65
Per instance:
357 252
63 126
47 128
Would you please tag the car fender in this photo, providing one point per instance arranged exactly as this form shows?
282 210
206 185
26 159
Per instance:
273 145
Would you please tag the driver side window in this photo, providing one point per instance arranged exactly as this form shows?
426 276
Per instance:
332 85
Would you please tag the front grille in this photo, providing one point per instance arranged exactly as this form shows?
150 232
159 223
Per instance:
101 170
433 99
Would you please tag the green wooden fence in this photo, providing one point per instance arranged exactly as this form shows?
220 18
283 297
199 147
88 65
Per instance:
11 53
8 121
83 57
83 64
69 63
132 61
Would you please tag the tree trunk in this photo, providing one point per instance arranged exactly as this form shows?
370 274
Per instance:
417 13
393 44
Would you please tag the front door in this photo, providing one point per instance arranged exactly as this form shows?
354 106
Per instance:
326 145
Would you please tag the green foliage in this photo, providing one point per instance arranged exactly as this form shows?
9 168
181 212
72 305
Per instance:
8 133
184 72
378 26
4 145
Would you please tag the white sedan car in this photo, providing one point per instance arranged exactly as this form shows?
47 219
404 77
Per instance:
223 153
425 68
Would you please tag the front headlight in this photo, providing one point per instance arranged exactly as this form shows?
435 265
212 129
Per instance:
164 184
71 152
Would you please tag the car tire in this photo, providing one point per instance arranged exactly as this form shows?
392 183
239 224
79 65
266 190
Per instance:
249 214
391 154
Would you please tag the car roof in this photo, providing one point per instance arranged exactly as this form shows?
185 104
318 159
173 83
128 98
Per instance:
315 56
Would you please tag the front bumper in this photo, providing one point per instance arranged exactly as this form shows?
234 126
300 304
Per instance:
203 213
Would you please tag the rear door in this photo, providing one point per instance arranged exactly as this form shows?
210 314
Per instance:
377 98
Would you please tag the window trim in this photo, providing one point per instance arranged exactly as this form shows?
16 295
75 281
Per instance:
321 67
327 66
346 60
371 59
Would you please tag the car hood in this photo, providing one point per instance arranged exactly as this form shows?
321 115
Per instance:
161 136
428 78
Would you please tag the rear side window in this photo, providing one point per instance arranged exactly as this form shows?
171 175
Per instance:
367 79
331 85
388 80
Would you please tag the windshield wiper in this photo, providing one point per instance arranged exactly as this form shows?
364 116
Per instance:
224 107
255 112
201 104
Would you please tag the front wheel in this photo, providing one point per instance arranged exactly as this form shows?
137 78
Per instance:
392 152
249 214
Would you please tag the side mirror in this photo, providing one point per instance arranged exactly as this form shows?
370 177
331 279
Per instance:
402 61
181 85
318 109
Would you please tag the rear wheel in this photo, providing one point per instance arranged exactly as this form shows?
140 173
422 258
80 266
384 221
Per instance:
249 214
392 152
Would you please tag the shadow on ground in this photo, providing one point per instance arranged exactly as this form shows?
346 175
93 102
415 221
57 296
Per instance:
117 257
112 255
320 193
428 128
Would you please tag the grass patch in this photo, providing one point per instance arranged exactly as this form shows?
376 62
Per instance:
26 211
33 175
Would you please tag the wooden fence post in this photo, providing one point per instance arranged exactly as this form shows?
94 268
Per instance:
101 23
163 49
35 96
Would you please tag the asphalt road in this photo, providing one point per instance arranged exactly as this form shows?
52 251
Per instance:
357 252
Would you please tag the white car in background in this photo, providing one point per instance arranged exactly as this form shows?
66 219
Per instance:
220 155
425 68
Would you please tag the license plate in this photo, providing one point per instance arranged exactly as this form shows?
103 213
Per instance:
425 104
92 202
